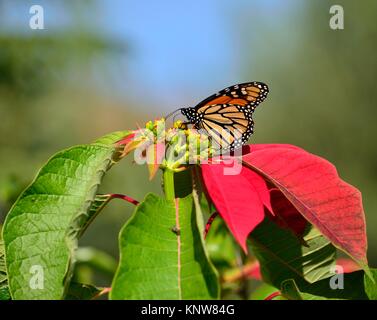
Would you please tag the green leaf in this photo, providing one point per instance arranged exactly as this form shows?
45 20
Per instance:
4 290
113 137
370 286
310 265
3 272
4 293
221 245
353 286
162 254
42 227
291 292
100 201
283 256
79 291
262 292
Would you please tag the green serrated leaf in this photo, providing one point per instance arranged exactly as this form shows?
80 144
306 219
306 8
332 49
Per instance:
42 227
113 137
162 254
99 202
283 256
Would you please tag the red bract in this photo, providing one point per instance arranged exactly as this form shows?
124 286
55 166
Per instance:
287 215
239 199
155 153
347 265
304 183
127 139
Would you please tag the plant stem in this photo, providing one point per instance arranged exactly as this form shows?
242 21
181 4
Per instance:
273 295
169 184
124 197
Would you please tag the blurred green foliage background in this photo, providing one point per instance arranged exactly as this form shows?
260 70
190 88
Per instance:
92 72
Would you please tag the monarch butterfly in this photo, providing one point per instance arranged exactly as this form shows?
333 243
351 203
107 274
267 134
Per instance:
226 116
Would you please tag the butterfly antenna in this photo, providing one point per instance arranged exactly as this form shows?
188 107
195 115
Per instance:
172 113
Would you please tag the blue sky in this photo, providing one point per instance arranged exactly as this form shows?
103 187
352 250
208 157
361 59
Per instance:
184 50
180 51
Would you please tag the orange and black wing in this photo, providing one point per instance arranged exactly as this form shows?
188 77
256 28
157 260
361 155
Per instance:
228 125
226 116
243 94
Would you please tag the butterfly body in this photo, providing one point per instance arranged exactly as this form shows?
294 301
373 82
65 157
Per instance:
226 116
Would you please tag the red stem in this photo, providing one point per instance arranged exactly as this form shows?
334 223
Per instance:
273 295
209 223
102 292
125 198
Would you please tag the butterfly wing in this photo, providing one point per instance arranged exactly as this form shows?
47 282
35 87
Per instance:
249 93
226 115
229 126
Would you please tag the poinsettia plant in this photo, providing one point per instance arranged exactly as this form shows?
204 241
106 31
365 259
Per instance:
266 222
